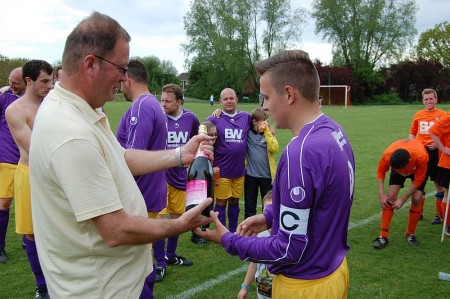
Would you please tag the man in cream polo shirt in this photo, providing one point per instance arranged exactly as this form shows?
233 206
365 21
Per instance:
90 220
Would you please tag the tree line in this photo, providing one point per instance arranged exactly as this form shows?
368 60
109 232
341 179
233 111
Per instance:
372 41
373 48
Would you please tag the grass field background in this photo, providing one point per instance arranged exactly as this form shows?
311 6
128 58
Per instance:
398 271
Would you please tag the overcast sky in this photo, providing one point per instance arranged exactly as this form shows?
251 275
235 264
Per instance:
37 29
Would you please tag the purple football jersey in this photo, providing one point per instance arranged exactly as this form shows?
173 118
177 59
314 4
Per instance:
180 130
144 126
309 215
9 152
231 145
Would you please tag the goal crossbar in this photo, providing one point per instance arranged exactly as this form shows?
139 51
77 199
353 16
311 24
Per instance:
335 95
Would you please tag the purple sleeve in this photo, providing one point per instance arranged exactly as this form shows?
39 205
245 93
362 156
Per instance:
268 213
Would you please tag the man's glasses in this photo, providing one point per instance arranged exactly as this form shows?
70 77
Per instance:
215 135
121 68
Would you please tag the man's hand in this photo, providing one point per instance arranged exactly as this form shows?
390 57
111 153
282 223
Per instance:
189 150
398 204
252 225
216 113
216 234
385 202
193 218
4 89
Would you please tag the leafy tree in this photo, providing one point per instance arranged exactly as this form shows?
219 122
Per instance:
434 44
409 78
159 72
7 65
226 37
365 33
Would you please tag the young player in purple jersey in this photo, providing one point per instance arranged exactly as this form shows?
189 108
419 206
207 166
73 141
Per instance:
182 124
9 156
229 154
312 192
144 126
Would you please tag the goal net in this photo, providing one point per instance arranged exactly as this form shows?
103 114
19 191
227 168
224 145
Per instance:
335 95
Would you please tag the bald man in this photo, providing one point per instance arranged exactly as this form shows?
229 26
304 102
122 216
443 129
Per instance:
9 155
229 152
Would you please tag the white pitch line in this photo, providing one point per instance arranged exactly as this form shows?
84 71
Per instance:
211 283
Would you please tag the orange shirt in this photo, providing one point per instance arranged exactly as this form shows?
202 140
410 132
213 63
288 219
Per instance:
422 121
441 129
417 164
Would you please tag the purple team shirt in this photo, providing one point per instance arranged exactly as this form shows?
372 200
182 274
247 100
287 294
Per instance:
180 130
144 126
9 152
309 215
231 145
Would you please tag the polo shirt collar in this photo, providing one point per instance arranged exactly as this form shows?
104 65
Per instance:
93 116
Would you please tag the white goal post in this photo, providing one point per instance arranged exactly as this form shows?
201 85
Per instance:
335 95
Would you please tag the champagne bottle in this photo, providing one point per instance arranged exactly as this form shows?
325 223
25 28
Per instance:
200 181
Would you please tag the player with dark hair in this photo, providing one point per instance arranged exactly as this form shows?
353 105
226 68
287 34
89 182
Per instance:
20 116
144 126
182 124
405 159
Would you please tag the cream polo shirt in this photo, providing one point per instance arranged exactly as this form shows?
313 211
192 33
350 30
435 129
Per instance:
78 172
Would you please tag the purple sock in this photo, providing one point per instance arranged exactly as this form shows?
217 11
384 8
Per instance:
222 214
4 219
172 244
147 291
30 248
233 217
158 253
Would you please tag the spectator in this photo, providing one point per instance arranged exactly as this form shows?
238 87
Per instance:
82 184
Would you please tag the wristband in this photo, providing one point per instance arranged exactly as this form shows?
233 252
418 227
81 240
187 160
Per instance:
178 157
244 286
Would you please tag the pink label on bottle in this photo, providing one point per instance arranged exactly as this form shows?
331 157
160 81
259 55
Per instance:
196 191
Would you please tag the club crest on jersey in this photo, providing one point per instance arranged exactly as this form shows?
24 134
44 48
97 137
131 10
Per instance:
177 125
133 120
232 120
297 194
294 221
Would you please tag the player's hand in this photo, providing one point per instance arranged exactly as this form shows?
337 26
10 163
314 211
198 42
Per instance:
216 234
431 146
252 225
242 294
216 113
385 202
398 204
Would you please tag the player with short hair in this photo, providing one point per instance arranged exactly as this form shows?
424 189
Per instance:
440 133
229 154
144 126
422 121
9 155
182 124
312 191
406 159
20 116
